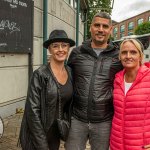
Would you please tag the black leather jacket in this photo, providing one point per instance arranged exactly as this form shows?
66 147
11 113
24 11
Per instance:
93 78
39 110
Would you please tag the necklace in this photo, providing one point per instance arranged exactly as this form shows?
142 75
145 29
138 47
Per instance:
129 78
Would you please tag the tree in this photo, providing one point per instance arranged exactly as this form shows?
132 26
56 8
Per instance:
94 7
142 28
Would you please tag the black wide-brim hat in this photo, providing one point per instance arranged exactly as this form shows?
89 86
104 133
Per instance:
58 36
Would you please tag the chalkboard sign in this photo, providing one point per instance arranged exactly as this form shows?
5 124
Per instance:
16 26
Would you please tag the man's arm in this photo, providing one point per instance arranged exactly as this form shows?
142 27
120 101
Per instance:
73 55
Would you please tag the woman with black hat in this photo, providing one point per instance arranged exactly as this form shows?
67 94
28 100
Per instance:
39 129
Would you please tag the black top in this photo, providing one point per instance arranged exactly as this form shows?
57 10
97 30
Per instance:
66 92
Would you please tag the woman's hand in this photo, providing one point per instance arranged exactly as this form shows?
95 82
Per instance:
146 147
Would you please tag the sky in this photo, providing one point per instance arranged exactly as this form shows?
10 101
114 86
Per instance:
124 9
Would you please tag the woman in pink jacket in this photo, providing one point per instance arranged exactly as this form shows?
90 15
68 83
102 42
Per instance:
131 121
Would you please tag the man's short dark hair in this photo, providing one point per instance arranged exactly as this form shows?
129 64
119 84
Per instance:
102 14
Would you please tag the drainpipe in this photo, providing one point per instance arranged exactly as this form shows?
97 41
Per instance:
77 22
30 55
45 30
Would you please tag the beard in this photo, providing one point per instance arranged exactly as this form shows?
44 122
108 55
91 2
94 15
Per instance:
99 41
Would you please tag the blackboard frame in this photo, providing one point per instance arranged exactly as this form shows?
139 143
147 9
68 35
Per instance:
16 26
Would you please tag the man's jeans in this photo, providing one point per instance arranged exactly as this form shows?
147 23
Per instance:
97 133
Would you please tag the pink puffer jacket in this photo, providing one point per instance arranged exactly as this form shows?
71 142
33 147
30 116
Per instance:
131 121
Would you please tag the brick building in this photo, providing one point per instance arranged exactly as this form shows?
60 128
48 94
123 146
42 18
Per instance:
127 27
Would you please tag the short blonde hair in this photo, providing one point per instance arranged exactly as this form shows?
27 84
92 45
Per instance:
136 43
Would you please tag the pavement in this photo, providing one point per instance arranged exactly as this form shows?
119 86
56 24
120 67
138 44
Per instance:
11 132
9 139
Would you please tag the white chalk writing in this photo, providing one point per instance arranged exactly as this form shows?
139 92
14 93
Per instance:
15 3
9 1
12 26
3 44
22 4
13 6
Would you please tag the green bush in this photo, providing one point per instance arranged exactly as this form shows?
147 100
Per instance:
143 28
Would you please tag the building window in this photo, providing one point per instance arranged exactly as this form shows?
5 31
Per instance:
68 1
75 4
122 35
146 56
115 30
115 36
122 28
72 3
130 33
140 21
130 25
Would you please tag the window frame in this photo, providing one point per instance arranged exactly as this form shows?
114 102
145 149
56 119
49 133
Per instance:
122 28
131 25
140 21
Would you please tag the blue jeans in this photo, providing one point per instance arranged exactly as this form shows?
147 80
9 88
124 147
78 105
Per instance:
97 133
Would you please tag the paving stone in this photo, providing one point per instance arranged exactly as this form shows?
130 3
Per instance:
11 132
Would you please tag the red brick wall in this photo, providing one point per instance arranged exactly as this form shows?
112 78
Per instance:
134 19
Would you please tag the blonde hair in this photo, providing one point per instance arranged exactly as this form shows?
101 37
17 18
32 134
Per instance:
136 43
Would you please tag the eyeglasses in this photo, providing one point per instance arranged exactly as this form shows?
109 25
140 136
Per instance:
57 46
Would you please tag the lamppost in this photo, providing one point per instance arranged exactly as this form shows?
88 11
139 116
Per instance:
77 22
45 7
